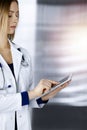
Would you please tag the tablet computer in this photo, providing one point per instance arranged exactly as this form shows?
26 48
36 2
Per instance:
61 82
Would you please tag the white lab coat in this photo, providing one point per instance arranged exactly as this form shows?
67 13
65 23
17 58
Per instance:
10 88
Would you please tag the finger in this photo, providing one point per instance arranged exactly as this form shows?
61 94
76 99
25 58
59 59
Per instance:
46 89
64 85
53 82
47 84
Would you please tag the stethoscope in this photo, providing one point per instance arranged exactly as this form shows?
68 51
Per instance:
2 77
3 86
23 62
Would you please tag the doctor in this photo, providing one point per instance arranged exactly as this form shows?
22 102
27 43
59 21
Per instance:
16 95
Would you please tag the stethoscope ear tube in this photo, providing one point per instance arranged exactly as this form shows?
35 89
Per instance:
2 78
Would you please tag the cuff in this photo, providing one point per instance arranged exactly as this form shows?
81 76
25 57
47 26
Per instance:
25 98
40 101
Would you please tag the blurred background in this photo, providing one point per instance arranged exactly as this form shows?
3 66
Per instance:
55 34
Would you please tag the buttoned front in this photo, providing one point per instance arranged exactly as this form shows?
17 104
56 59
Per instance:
11 88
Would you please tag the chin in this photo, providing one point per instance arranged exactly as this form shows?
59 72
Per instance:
11 31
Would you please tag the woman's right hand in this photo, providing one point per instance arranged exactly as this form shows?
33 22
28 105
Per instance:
43 86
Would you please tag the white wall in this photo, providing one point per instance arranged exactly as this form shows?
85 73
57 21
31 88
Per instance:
25 33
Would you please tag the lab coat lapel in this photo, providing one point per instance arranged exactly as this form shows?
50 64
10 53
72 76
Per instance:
17 57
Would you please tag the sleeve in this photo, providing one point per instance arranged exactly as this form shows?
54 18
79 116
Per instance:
40 101
10 102
25 98
13 102
34 103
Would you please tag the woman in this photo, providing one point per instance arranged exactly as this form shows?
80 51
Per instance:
16 97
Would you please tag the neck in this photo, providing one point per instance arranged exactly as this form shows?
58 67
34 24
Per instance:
4 43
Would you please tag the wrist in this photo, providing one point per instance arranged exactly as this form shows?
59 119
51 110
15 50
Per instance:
44 99
32 94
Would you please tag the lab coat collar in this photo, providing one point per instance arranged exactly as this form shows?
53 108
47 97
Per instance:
16 57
